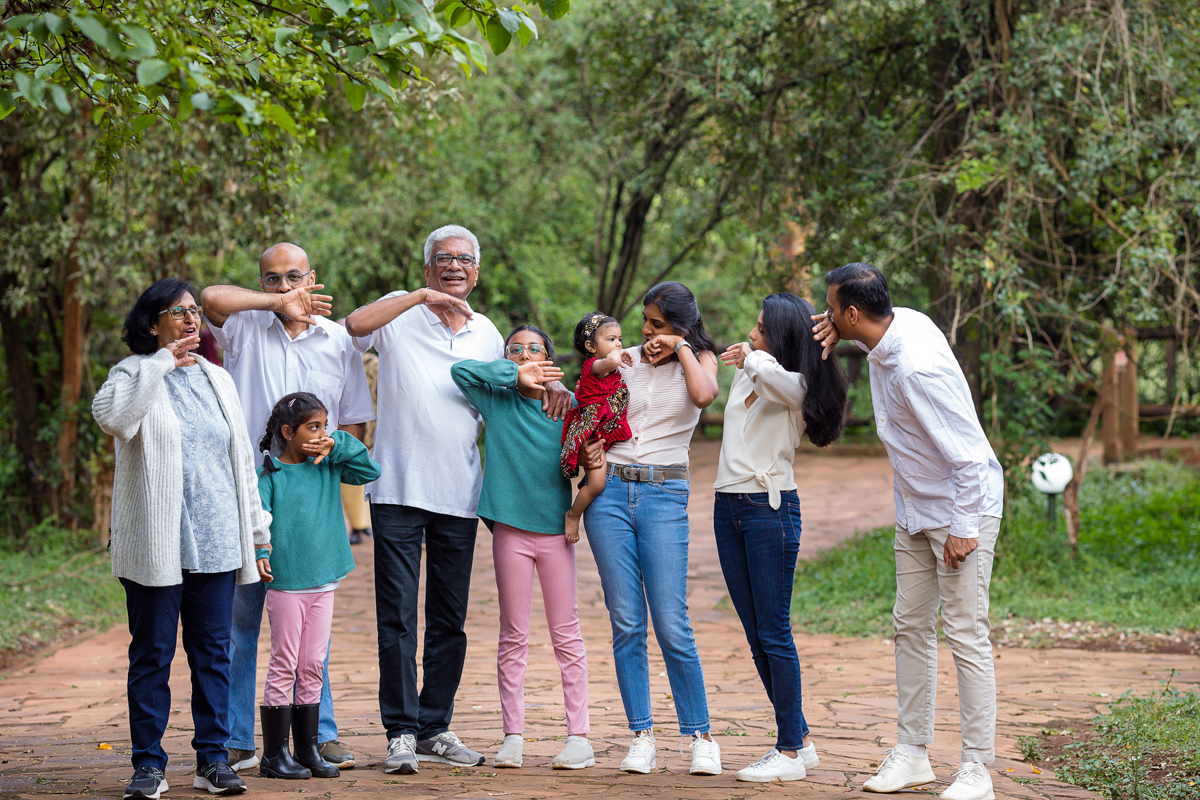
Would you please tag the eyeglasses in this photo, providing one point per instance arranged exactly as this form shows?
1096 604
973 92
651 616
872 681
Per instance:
518 349
178 312
294 279
446 259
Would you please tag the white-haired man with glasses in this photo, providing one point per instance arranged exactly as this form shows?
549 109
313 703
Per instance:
425 444
277 341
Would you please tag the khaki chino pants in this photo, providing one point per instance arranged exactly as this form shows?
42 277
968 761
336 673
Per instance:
923 582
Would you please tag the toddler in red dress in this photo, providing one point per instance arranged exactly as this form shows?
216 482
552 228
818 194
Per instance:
602 398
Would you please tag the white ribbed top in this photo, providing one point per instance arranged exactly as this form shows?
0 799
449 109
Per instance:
661 415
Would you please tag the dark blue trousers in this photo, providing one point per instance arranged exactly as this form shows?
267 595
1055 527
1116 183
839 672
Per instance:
204 602
758 546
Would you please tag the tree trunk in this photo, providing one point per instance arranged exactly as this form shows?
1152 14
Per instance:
23 381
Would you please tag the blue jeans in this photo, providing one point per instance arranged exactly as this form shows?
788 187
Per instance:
243 685
638 532
202 603
757 546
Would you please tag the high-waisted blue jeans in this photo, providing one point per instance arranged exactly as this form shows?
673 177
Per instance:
758 546
638 532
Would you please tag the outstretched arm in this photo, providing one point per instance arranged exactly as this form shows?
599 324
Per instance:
300 304
373 316
612 361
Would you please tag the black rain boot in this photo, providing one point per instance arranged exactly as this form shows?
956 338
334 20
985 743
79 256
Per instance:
305 720
277 761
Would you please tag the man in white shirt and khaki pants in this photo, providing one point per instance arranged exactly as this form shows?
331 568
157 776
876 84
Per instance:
949 493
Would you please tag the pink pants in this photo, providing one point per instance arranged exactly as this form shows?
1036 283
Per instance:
300 625
516 553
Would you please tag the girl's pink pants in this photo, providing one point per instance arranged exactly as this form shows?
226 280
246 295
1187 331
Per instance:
300 625
516 554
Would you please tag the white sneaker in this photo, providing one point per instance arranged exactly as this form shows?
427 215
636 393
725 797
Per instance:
808 756
774 766
577 754
641 754
900 771
971 782
706 756
511 752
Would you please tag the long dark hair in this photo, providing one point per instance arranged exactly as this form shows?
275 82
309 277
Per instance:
545 338
787 327
292 410
679 309
146 311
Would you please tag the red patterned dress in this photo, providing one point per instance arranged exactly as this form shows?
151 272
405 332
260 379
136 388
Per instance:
600 412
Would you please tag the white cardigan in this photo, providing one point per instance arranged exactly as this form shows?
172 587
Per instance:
758 444
133 406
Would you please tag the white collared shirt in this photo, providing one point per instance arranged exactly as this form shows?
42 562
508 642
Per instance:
426 433
758 444
946 473
267 364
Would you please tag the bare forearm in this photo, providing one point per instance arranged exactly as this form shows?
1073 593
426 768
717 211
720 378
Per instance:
373 316
603 366
357 430
699 376
222 300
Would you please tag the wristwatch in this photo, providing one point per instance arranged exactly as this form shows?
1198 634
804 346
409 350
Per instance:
682 343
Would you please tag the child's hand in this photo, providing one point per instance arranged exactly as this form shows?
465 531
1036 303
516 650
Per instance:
264 570
735 356
319 448
626 358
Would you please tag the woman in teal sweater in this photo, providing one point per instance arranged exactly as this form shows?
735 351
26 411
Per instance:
309 555
524 501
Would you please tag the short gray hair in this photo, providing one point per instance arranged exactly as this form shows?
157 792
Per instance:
449 232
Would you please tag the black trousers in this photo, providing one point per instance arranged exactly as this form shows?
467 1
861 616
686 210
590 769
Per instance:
449 549
204 602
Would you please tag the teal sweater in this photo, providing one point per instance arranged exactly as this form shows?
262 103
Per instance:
523 484
309 546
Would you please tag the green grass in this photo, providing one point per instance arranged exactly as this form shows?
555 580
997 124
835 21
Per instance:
53 588
1144 749
1138 567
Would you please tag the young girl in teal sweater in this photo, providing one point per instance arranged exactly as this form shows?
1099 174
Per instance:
309 555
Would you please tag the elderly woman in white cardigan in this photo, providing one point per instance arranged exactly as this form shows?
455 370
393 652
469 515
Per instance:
782 391
186 518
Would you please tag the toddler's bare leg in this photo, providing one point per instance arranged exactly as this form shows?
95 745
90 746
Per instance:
590 491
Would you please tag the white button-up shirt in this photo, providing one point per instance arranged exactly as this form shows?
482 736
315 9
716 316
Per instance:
426 433
267 364
946 473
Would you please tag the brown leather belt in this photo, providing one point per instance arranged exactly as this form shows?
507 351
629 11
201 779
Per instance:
651 474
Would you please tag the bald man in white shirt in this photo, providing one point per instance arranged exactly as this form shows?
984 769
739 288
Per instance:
949 494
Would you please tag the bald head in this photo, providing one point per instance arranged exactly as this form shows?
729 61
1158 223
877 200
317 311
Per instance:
284 255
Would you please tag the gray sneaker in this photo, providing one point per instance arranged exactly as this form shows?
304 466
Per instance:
400 755
447 749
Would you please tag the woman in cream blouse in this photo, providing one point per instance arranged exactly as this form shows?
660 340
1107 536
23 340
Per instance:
782 391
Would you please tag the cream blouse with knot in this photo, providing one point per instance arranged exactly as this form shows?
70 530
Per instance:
759 443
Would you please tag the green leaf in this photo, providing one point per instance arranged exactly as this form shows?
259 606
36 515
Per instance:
143 121
59 95
185 107
245 102
478 54
555 9
510 21
283 40
461 15
56 24
8 104
281 117
461 58
202 101
339 7
152 71
356 95
20 21
445 4
46 70
384 89
95 30
252 68
144 45
355 54
497 36
383 8
379 36
30 88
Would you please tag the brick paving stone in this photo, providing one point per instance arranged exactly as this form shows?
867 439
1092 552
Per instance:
55 711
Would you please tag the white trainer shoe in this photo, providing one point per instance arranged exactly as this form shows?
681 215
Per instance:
900 771
641 754
706 756
511 752
576 754
971 782
774 766
808 756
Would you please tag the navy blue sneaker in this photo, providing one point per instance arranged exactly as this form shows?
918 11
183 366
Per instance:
147 784
218 778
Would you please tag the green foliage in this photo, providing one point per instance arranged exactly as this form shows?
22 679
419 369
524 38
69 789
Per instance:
261 67
1143 749
1138 567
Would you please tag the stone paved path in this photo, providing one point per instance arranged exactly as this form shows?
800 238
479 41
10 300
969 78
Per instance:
55 711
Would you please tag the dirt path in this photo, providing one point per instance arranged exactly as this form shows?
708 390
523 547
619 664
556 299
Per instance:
56 711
